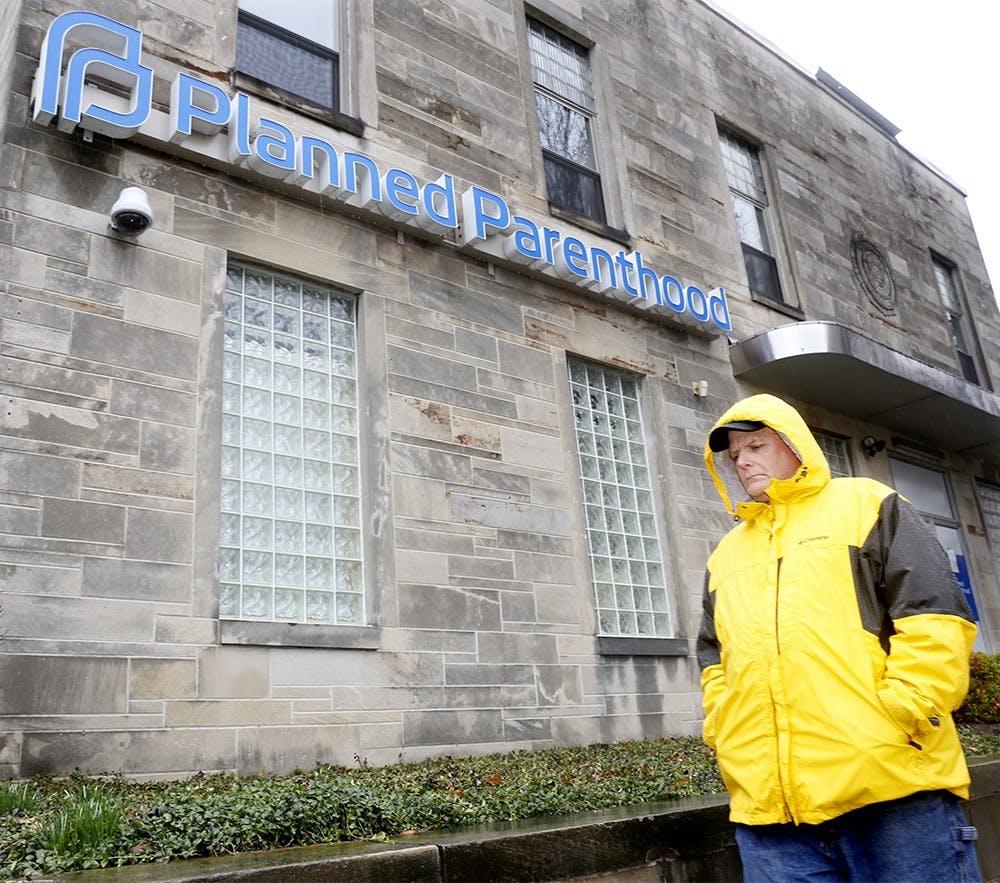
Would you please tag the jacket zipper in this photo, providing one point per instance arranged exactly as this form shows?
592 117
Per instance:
777 644
777 600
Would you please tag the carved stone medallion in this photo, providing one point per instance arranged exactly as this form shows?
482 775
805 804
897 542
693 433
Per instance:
871 269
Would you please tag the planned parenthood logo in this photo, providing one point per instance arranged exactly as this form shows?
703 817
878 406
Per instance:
205 120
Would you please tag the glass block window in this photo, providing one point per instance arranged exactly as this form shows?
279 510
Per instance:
625 554
291 544
564 100
293 46
750 207
837 453
961 334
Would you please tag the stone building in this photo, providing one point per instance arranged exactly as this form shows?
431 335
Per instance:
357 369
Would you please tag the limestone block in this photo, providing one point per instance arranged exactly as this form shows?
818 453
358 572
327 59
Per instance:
251 713
446 607
145 580
143 482
480 567
233 673
561 603
409 415
475 433
419 498
78 520
418 365
511 647
460 674
374 737
56 240
54 378
157 311
538 412
284 749
94 620
22 267
526 362
473 343
165 752
162 679
167 448
55 424
185 630
540 567
428 462
158 536
518 606
525 729
85 293
10 749
356 669
472 307
558 685
451 727
508 515
147 402
535 449
160 273
24 520
405 333
52 685
28 310
113 342
422 567
39 577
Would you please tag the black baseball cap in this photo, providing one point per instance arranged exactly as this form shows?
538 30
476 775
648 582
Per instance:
719 439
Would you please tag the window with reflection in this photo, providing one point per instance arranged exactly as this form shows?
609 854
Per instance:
946 277
564 100
837 452
750 207
291 541
292 45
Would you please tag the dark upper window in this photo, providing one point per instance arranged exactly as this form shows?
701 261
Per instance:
292 45
750 206
564 99
946 277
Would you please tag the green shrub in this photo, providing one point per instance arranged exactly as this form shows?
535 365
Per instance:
982 703
50 825
90 816
19 798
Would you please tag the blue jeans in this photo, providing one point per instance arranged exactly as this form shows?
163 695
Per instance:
923 838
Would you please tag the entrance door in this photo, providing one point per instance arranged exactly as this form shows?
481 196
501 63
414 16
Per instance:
928 490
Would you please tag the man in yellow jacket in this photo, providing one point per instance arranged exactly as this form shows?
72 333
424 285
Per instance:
834 646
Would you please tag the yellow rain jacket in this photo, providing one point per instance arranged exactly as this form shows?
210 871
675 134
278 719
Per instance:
834 642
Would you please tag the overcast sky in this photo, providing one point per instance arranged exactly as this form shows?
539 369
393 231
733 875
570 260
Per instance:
929 68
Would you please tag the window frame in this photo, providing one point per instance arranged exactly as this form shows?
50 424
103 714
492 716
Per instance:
770 224
662 644
352 78
601 221
831 438
287 631
959 323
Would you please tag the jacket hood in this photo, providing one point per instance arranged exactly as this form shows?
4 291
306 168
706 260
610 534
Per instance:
786 421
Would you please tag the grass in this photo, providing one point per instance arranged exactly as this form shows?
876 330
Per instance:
50 825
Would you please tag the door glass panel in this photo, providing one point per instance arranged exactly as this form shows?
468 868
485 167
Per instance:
925 488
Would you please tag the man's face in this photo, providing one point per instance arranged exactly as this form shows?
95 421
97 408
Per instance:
758 457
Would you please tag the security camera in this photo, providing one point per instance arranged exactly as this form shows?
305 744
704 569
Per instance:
131 214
